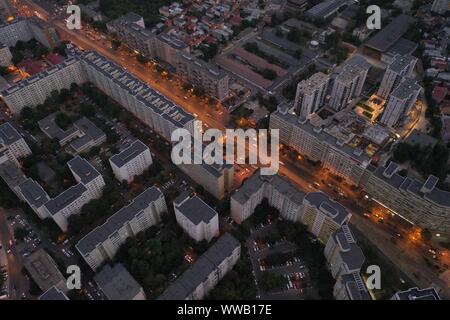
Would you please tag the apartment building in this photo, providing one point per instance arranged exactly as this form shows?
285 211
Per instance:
440 6
146 104
350 286
423 204
204 75
323 216
215 178
311 94
25 29
15 30
342 253
11 174
118 284
5 56
206 271
35 90
11 139
348 85
318 144
131 162
417 294
167 48
69 202
400 102
196 218
102 243
279 192
35 196
400 68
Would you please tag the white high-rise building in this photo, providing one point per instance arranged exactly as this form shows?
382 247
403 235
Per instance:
347 85
400 68
400 102
131 162
102 243
311 94
196 218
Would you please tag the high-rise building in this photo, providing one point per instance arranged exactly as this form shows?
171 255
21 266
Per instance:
25 29
318 144
279 192
323 216
342 253
400 68
201 74
206 272
131 162
102 243
421 203
348 85
196 218
400 102
311 94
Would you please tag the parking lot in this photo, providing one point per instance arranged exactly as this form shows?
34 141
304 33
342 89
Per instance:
288 264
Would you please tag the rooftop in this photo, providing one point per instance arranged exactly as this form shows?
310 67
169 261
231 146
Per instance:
194 209
334 210
42 268
83 169
391 33
33 193
118 220
8 134
418 294
53 294
128 154
117 283
201 269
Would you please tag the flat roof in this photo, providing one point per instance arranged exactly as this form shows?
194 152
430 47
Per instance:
33 193
117 283
8 134
391 33
53 294
334 210
83 169
418 294
99 235
129 153
194 209
42 268
201 269
65 198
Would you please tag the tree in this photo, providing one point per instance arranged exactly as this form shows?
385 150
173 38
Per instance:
20 233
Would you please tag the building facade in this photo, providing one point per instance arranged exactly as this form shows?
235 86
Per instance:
196 218
102 243
347 86
400 68
310 95
131 162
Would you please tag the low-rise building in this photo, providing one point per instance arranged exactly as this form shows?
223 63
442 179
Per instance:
44 271
196 218
206 272
131 162
102 243
118 284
